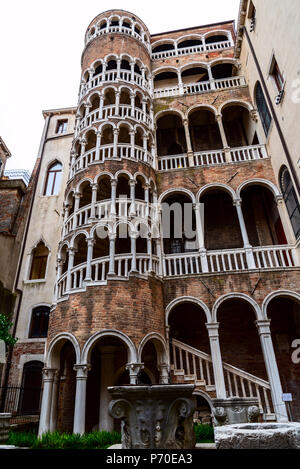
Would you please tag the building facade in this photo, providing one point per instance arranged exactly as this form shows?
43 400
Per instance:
176 253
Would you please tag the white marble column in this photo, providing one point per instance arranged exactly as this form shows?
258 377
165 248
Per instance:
98 143
163 373
264 331
145 148
213 333
132 71
80 398
226 147
117 103
115 149
132 184
90 243
285 220
48 378
132 143
94 200
199 215
133 237
132 104
71 252
180 84
54 403
190 152
77 197
101 107
112 243
113 184
211 78
247 246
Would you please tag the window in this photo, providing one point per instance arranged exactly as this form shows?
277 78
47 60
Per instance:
276 74
39 322
53 179
252 16
39 262
290 199
262 107
61 126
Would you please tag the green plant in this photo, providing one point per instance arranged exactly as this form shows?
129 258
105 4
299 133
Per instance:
21 439
204 433
5 325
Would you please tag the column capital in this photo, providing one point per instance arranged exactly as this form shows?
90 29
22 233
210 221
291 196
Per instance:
82 370
263 326
49 373
212 328
279 199
94 186
116 131
112 236
71 250
114 182
237 202
90 241
132 182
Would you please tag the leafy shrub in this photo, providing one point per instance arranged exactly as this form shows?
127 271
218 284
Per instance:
57 440
204 433
21 439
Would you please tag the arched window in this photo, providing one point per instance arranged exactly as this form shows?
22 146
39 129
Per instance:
30 394
262 108
290 198
39 322
53 179
39 262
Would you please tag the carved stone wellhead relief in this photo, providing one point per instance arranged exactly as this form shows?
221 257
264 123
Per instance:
158 416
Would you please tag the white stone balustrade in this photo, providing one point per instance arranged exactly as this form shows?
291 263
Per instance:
192 50
119 29
201 87
125 112
213 157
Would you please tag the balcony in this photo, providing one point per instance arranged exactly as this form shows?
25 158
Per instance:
213 157
229 260
124 111
200 87
198 49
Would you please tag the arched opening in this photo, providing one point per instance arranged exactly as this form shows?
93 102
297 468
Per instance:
139 188
239 338
216 38
64 256
284 313
223 70
98 69
221 224
150 360
91 140
138 101
100 248
178 224
70 203
107 135
125 65
109 97
114 22
103 25
122 244
165 79
124 135
109 354
126 24
290 199
111 65
80 246
39 258
138 137
203 413
104 188
170 136
123 188
66 388
86 194
137 69
194 75
53 179
125 97
163 47
262 219
204 130
238 126
95 102
189 43
141 240
29 403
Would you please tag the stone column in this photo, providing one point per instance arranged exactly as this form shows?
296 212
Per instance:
144 105
118 67
149 252
263 326
147 189
180 84
104 65
58 275
71 252
285 219
117 104
132 143
77 197
132 184
112 242
115 150
113 197
101 107
94 200
159 255
132 104
83 145
133 237
145 147
80 398
247 246
190 152
134 369
107 376
48 377
200 235
90 243
98 143
224 138
132 71
54 404
211 78
213 333
163 373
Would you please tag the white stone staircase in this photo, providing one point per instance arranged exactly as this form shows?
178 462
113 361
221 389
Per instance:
189 365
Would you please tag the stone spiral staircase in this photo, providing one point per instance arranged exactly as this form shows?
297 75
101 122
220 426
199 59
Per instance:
192 366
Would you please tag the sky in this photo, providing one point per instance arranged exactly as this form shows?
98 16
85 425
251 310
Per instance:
40 48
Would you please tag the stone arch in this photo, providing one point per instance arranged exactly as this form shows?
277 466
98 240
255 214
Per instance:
160 346
264 182
55 345
278 293
219 186
241 296
188 299
177 190
238 102
88 346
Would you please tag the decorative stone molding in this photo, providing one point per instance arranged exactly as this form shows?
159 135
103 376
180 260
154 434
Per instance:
154 416
235 410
